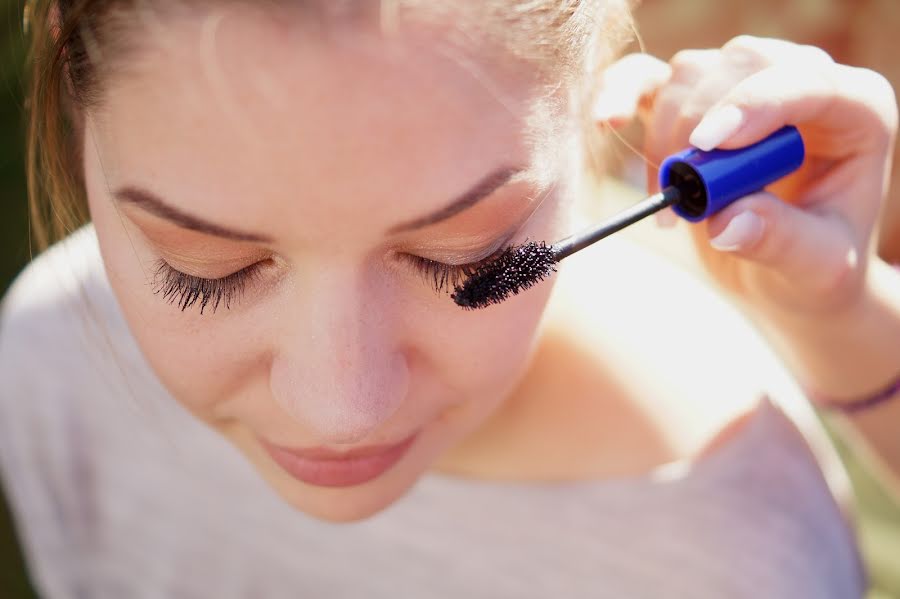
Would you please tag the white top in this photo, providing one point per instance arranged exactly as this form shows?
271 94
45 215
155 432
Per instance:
118 492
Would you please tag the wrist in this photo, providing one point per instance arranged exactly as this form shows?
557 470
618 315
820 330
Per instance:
857 404
846 356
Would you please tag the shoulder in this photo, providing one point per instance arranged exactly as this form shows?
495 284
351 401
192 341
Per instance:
81 416
56 276
49 302
43 372
704 367
683 351
57 323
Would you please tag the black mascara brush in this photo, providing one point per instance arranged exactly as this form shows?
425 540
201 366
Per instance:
696 184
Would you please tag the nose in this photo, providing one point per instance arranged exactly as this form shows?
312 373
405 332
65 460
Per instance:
338 369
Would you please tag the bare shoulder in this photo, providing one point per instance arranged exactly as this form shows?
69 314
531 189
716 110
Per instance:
699 365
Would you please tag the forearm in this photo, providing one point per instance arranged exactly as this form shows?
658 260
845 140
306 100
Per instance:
851 357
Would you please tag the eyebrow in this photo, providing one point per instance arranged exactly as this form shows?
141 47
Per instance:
484 188
151 203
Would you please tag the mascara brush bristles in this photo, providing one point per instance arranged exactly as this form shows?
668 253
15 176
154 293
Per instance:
514 270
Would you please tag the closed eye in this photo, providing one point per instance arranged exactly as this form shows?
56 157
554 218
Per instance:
444 277
186 290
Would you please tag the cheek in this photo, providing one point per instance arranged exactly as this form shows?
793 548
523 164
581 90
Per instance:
193 365
483 353
484 350
479 359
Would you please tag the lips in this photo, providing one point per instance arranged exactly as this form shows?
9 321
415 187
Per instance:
325 467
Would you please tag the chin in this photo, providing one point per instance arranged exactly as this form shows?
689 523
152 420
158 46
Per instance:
344 504
341 506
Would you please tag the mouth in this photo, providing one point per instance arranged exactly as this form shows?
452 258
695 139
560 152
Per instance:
325 467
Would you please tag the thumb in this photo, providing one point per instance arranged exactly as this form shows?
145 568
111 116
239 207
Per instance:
812 250
625 84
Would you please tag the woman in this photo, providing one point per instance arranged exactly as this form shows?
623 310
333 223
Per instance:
280 197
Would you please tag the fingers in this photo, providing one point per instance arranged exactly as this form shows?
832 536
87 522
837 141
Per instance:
665 127
848 118
738 95
678 113
814 249
626 84
666 219
778 80
855 106
758 53
628 89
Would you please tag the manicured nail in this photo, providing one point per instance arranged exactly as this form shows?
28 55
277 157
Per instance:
609 108
666 219
744 230
717 126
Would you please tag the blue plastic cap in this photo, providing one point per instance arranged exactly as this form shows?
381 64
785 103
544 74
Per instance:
710 181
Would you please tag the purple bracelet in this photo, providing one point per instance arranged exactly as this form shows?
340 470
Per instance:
851 407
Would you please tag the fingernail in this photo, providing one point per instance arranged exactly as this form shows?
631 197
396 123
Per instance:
666 219
603 112
717 126
744 230
611 106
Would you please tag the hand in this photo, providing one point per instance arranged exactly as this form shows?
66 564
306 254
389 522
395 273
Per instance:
801 247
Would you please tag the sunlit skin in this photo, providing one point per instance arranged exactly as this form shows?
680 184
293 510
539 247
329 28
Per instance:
339 342
318 148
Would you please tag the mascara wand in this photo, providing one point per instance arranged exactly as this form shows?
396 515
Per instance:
695 183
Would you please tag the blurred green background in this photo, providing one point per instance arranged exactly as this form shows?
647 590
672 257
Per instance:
13 236
857 32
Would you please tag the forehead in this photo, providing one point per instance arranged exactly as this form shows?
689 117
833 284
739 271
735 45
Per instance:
241 114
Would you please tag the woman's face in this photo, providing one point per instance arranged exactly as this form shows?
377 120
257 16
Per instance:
316 176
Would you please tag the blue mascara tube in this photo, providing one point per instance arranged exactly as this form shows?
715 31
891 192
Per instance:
710 181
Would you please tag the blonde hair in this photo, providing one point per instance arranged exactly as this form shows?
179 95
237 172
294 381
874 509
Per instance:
569 39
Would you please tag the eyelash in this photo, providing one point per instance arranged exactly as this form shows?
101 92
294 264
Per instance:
184 290
444 277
